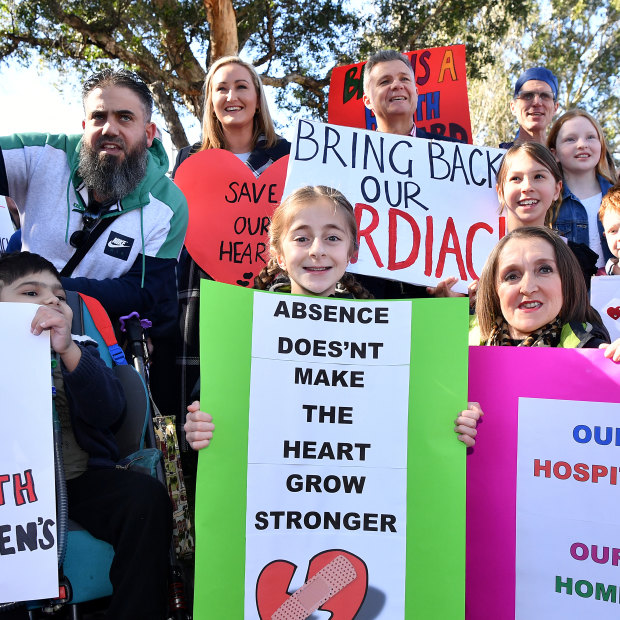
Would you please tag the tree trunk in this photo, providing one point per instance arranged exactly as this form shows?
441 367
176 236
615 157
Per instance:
168 111
223 24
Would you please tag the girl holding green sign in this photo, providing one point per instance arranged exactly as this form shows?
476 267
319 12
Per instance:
313 236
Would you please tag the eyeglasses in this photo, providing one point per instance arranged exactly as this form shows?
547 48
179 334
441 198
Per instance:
529 95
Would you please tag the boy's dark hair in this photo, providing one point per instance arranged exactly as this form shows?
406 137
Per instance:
124 78
18 265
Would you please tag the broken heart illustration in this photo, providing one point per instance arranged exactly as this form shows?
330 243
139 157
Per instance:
229 213
336 581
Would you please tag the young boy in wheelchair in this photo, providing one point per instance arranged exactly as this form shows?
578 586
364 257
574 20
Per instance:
129 510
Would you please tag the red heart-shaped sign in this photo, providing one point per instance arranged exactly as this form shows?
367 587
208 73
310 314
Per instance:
614 313
272 586
229 213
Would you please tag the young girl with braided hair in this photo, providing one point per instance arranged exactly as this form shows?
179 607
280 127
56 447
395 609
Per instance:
313 236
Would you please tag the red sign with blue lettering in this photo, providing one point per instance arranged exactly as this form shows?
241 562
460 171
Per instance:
443 106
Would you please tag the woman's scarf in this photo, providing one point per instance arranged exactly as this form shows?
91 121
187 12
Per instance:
546 336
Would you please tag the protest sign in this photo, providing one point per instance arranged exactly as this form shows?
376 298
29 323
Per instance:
426 210
6 225
28 562
334 479
229 211
441 79
605 297
499 382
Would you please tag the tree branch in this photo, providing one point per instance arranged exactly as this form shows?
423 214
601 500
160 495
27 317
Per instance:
223 25
271 41
166 107
422 26
175 43
142 57
312 84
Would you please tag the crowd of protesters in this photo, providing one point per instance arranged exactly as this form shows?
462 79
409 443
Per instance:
108 222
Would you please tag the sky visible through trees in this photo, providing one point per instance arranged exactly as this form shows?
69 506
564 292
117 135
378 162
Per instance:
297 43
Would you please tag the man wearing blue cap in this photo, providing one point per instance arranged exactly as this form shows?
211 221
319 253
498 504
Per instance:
534 104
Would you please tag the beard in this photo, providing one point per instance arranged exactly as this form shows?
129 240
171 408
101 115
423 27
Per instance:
108 176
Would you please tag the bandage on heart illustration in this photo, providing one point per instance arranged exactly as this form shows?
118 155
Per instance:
336 581
614 313
229 213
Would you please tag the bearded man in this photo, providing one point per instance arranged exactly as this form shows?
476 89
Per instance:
100 206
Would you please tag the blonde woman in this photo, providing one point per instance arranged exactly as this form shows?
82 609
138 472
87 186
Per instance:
236 118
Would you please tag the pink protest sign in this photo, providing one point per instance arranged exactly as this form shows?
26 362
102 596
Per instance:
498 377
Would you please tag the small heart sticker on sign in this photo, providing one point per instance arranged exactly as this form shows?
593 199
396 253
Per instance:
614 313
229 213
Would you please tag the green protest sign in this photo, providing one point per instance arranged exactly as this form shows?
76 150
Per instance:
334 480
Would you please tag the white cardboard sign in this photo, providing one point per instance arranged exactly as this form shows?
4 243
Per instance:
28 561
605 297
346 475
426 210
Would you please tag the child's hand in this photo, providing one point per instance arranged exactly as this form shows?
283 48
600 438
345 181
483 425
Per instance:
198 427
466 424
444 288
57 319
612 351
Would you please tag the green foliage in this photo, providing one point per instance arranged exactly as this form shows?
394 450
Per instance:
79 35
302 38
478 24
167 41
491 120
579 41
295 43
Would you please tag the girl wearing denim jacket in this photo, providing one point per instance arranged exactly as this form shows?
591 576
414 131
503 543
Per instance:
579 146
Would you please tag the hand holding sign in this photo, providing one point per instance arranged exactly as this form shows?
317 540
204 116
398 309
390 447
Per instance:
229 211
